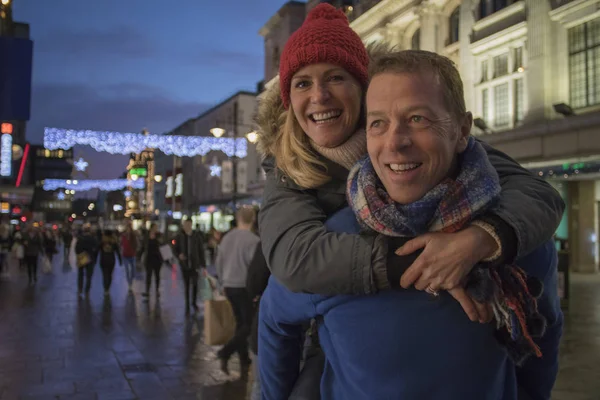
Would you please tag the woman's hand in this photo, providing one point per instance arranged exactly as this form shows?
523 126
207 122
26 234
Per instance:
477 312
446 259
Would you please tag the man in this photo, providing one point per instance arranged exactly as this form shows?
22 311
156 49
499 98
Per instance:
87 254
423 174
234 256
189 249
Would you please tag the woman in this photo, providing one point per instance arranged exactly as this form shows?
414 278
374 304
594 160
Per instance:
109 247
50 244
153 260
312 133
86 252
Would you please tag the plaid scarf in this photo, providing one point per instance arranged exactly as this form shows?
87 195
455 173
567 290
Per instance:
449 207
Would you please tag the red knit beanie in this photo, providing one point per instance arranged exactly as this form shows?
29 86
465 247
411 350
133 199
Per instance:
324 37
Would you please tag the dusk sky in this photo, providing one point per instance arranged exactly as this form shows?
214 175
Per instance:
122 65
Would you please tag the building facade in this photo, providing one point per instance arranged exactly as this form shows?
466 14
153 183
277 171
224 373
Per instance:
201 187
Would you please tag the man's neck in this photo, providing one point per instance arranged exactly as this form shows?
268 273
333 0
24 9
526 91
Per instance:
244 227
187 232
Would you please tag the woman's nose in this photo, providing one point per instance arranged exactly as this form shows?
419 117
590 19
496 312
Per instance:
320 94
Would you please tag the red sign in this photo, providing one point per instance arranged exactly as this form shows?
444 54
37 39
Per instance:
6 127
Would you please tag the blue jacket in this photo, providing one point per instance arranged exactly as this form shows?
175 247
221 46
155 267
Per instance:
400 344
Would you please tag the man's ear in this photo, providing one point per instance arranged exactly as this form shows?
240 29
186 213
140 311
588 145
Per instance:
464 132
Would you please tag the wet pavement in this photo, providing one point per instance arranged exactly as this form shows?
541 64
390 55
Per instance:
54 345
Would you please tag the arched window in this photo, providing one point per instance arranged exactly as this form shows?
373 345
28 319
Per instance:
415 43
454 26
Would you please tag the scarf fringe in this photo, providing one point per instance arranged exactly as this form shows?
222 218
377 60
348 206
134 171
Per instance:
513 299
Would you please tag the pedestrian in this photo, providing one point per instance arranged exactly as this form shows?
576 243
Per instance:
234 256
86 250
50 243
34 247
18 250
129 245
5 246
109 248
189 249
67 237
153 260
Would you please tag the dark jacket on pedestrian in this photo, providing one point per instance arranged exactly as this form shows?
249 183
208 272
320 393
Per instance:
152 249
304 257
256 283
34 245
192 247
109 251
87 243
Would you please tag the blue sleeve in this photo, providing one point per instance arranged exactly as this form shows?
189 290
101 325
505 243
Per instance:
538 375
280 338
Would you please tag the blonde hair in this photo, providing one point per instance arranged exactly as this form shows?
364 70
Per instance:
295 157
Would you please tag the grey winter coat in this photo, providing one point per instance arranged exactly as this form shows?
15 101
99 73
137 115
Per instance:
304 257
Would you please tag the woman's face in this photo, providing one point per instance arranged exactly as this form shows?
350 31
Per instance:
326 103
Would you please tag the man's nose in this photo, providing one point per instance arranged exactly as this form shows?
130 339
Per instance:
320 94
398 137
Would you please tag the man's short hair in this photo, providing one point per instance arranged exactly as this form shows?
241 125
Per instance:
417 61
246 215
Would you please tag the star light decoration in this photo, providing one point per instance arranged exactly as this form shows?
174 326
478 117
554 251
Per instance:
83 185
215 170
125 143
60 196
81 164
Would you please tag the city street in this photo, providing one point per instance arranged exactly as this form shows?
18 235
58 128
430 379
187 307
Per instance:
56 346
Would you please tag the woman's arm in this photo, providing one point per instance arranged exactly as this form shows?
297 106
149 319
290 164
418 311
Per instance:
529 211
304 257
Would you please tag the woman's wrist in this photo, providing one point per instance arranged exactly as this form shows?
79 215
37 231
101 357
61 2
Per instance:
504 234
489 244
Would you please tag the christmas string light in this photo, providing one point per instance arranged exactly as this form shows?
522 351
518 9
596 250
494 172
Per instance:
125 143
107 185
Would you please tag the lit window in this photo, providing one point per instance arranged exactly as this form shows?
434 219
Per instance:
518 59
47 153
501 65
415 43
485 104
454 26
501 107
584 64
61 154
519 101
484 71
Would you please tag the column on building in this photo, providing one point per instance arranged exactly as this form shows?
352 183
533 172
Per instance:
539 56
431 24
583 227
467 61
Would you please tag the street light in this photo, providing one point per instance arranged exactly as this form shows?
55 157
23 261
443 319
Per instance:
5 2
252 136
134 177
217 132
158 178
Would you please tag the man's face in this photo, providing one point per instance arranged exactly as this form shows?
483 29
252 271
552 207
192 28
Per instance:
187 225
412 138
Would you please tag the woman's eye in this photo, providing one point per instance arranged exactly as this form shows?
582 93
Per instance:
301 84
336 78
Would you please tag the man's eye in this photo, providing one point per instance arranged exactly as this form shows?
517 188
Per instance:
418 120
375 124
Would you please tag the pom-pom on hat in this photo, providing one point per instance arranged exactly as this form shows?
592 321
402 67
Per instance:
324 37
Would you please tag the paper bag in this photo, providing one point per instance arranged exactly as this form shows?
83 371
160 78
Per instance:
219 323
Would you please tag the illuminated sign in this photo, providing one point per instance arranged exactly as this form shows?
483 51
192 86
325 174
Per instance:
4 208
169 184
7 128
138 171
6 154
